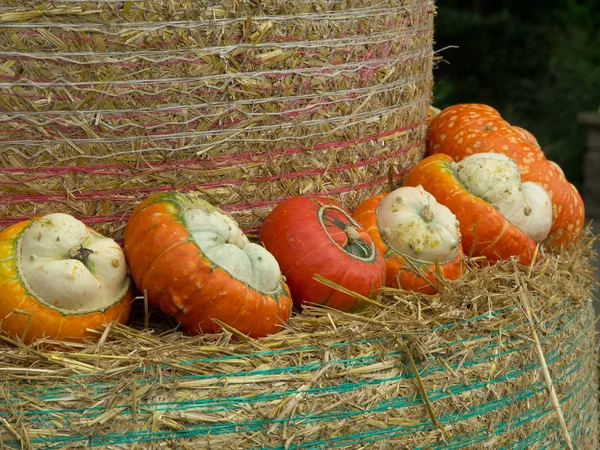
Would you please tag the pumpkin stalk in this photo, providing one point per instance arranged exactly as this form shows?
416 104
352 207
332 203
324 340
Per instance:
426 214
236 240
80 253
353 235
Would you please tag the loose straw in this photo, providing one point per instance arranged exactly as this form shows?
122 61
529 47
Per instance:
540 354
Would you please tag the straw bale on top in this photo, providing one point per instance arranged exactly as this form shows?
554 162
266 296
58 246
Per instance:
245 102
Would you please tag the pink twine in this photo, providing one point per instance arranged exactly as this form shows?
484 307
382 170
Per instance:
121 195
187 164
115 218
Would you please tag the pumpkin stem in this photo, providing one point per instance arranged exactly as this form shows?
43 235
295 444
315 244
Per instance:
353 235
238 241
80 253
528 210
426 214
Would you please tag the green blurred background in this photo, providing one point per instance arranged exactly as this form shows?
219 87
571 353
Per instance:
537 62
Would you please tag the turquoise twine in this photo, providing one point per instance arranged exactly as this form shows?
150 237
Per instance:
369 437
225 404
383 433
285 351
102 387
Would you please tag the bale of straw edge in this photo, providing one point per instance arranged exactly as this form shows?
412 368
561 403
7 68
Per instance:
245 102
457 370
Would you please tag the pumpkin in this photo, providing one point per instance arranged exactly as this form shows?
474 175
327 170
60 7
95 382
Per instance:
310 236
525 134
466 129
529 137
59 279
495 178
419 238
499 216
195 264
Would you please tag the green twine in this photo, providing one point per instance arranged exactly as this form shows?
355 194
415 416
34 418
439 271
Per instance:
482 354
347 363
387 433
227 403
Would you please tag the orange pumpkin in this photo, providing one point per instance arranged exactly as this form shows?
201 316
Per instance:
527 135
485 231
466 129
195 264
419 238
59 279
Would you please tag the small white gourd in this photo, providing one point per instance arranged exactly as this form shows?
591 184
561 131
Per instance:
415 224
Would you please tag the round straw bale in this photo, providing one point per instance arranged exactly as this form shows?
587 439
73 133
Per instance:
246 102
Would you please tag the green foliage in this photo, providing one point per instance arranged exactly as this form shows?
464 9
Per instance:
537 62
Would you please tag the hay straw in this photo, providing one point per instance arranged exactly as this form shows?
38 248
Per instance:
244 102
334 379
362 298
540 354
421 386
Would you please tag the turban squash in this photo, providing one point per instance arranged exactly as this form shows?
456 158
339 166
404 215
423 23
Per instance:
465 129
310 236
59 278
419 238
499 216
195 264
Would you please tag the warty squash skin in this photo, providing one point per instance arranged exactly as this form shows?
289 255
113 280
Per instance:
59 278
315 235
465 129
495 178
418 237
195 264
485 231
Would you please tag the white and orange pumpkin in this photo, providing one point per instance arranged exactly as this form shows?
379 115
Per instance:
466 129
499 216
194 262
419 238
59 279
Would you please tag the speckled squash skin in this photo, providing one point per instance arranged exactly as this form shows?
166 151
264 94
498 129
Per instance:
527 135
23 317
415 275
485 231
465 129
495 178
177 276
